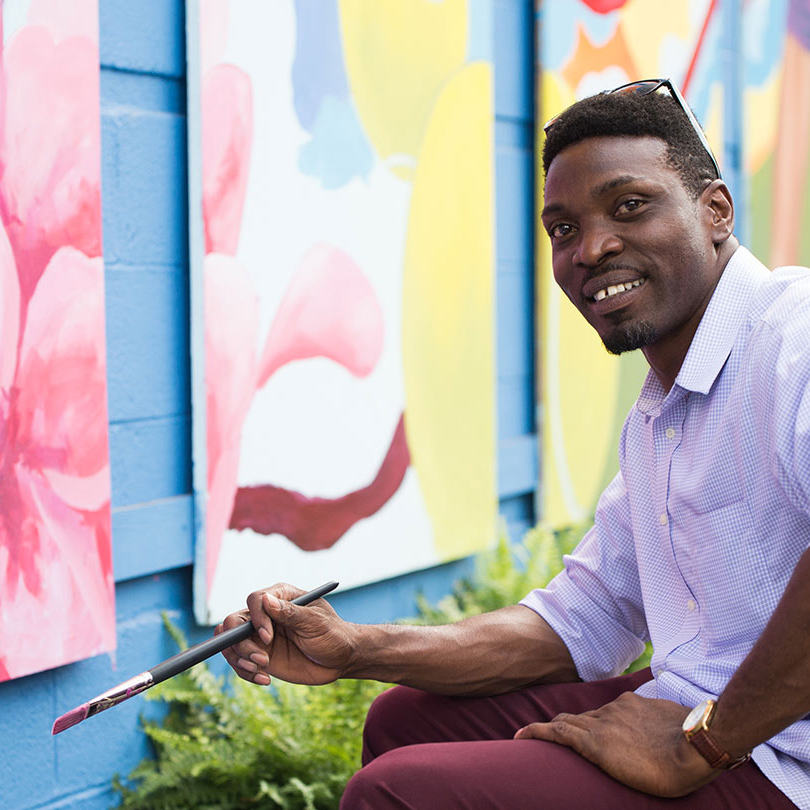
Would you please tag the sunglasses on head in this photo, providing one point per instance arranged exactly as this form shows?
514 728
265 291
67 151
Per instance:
646 86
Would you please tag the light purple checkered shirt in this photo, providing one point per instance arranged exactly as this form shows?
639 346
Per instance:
696 538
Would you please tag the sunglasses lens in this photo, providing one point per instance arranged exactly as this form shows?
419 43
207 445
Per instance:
642 88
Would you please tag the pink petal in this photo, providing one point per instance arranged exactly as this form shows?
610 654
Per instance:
50 149
227 135
329 310
231 328
62 379
76 591
66 18
9 316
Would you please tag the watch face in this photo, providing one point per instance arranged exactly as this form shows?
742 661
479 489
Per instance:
694 717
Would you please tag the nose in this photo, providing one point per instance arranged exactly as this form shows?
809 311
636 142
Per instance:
595 245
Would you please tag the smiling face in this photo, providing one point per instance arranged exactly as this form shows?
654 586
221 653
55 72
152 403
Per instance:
633 250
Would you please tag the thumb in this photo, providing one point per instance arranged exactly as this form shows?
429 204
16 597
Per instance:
282 611
534 731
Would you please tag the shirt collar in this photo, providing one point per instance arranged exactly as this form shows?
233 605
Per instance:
716 332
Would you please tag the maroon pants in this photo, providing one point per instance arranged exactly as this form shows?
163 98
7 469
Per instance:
429 752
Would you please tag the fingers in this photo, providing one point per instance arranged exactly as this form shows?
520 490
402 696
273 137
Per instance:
249 658
571 730
261 609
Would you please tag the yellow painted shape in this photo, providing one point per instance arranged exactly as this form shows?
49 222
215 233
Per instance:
447 317
580 391
761 110
644 25
398 54
579 382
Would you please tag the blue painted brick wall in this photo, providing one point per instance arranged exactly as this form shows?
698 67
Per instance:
146 254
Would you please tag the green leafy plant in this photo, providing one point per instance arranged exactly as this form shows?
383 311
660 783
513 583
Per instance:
504 575
224 744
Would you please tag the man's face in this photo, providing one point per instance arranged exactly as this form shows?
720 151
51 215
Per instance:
631 247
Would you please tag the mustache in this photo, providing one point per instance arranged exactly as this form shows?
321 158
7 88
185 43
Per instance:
610 266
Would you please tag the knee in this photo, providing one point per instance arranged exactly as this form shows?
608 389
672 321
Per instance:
362 792
396 719
384 784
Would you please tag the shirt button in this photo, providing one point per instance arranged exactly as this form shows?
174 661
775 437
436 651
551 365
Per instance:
691 604
670 433
663 520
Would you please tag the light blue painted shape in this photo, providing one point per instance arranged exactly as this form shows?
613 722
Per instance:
559 20
339 150
480 32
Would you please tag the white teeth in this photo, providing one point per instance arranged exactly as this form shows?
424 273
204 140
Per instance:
617 288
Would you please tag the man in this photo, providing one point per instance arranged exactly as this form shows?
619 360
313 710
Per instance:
698 543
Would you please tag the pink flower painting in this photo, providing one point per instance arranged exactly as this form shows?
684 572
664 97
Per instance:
55 544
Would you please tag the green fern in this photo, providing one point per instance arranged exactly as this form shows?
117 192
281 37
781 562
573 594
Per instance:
227 745
504 575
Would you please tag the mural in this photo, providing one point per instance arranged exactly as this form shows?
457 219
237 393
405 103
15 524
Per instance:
776 132
587 46
341 179
55 553
592 45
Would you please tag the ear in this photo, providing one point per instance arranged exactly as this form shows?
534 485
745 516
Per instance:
719 209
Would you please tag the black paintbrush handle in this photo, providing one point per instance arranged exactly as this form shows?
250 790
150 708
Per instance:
205 649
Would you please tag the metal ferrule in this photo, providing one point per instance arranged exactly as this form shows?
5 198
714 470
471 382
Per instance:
120 693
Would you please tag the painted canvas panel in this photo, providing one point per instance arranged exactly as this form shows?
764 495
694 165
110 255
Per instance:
341 184
55 552
587 46
776 85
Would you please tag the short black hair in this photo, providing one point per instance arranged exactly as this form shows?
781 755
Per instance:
655 115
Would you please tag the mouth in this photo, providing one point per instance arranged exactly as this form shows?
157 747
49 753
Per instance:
612 296
615 289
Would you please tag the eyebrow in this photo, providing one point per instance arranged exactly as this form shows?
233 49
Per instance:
622 180
597 191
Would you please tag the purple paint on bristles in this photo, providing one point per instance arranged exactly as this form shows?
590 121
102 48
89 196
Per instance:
72 718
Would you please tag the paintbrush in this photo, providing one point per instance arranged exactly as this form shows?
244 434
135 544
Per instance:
172 666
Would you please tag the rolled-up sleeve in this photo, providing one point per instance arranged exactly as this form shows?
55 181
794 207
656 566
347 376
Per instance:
594 604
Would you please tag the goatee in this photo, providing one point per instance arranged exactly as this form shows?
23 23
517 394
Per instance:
630 336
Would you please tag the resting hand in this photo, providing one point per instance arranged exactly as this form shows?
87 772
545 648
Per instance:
636 740
302 644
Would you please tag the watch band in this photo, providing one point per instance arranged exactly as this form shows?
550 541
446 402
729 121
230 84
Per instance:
700 737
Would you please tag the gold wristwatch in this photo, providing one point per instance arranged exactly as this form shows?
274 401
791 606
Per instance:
696 730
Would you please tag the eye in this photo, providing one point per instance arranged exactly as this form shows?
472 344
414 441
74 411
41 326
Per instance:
629 206
560 230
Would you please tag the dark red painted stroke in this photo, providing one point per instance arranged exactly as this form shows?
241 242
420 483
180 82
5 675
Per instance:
318 523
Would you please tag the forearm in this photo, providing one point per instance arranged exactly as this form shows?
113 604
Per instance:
489 654
771 690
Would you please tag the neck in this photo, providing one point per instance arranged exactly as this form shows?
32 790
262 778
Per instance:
665 357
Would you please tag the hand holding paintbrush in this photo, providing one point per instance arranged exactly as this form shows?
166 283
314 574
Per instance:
172 666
